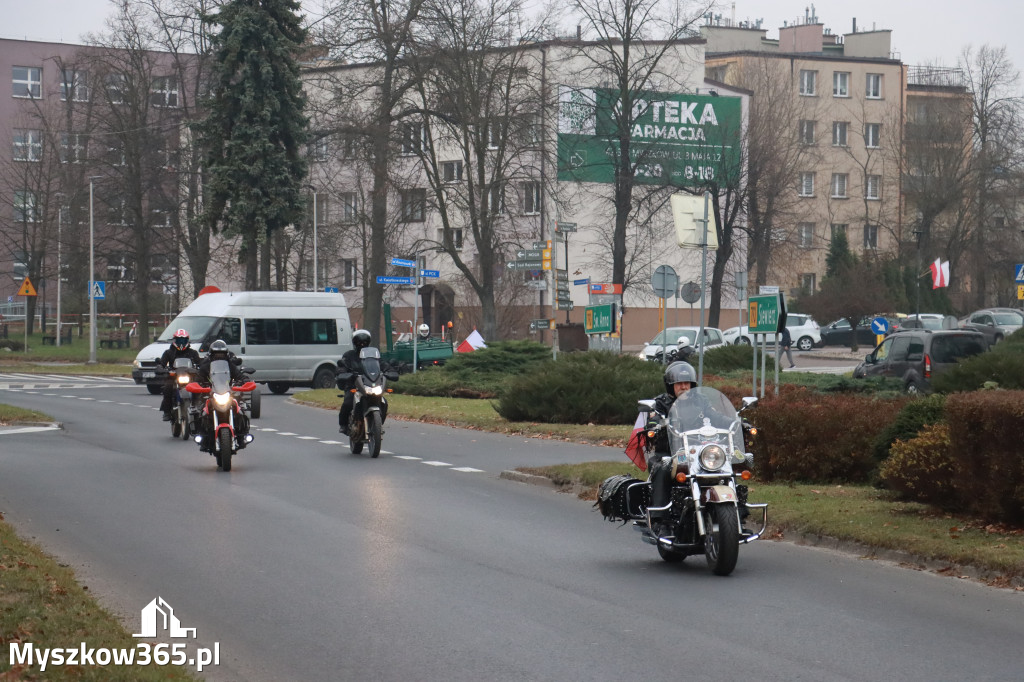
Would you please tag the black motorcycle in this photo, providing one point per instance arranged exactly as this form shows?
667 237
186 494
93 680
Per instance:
184 411
366 421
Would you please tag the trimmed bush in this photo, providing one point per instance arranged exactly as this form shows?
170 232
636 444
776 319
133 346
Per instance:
812 437
922 468
480 374
914 416
725 359
596 387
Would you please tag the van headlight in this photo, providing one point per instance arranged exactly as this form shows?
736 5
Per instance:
136 364
712 457
222 399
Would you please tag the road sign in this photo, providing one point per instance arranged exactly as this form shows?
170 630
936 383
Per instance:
599 319
561 275
765 290
562 286
99 290
563 305
585 280
430 273
331 290
690 292
767 314
523 265
394 280
26 289
542 245
541 324
880 326
532 253
605 288
1020 292
403 262
546 263
664 281
1018 273
564 227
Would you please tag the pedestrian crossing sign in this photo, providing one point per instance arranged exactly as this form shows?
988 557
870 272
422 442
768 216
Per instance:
98 290
26 288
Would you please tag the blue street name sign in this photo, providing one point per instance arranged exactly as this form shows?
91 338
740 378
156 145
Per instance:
1018 273
585 280
402 262
394 280
880 325
430 273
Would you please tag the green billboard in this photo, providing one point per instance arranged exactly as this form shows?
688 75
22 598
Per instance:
677 140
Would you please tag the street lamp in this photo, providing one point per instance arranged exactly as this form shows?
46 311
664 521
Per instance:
918 233
60 210
316 264
92 277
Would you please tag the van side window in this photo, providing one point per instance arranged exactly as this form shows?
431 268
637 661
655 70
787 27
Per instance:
900 348
268 332
315 331
229 331
916 351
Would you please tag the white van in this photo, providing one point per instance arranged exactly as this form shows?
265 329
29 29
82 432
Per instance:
291 338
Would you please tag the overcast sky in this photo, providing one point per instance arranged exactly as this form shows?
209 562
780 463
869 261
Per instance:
923 31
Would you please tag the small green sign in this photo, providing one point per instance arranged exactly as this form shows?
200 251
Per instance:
599 319
767 314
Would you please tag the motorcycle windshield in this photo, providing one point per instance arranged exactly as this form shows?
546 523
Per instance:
703 414
220 376
183 364
370 357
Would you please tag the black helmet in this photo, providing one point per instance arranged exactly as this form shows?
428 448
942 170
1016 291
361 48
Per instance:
360 338
218 347
679 371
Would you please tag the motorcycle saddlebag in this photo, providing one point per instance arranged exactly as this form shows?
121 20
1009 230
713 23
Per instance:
622 497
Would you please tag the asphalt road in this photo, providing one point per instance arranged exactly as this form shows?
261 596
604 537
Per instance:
308 563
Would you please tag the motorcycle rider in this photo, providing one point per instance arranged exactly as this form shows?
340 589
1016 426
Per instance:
180 348
424 330
350 362
219 351
679 378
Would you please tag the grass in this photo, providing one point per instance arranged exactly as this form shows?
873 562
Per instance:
41 603
9 414
75 353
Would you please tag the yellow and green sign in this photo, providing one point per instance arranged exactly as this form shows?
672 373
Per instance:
599 319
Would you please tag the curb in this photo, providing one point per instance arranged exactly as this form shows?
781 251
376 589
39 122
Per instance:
522 477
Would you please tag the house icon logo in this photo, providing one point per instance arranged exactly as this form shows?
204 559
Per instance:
159 616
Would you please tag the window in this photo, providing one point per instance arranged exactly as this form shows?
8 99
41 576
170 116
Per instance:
27 81
20 266
873 187
276 332
808 83
456 233
839 182
873 87
806 132
805 235
414 138
531 198
349 207
72 148
838 229
25 206
162 212
494 134
117 212
28 145
348 145
164 92
808 282
451 171
534 129
839 130
318 149
162 269
493 201
807 184
871 236
120 268
115 85
349 273
115 153
414 203
872 135
841 84
75 83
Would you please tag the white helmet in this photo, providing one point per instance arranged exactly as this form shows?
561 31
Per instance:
683 342
424 330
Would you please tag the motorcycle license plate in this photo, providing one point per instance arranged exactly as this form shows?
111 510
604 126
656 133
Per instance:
148 375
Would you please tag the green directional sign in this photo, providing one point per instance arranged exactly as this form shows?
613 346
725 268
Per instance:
530 253
563 305
561 275
541 324
767 314
599 319
524 265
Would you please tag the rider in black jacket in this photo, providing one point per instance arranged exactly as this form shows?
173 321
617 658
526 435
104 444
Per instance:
679 378
219 351
180 348
350 362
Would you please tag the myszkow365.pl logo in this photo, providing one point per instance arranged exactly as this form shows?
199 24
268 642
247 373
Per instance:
157 618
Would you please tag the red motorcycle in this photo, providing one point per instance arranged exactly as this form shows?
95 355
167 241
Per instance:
226 426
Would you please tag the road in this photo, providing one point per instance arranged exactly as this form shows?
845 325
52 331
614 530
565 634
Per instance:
308 563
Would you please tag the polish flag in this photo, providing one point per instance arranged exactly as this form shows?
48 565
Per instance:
940 273
472 342
635 446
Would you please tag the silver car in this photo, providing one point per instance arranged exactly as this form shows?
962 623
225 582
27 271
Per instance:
995 323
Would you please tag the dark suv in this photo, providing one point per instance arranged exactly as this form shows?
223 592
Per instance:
916 355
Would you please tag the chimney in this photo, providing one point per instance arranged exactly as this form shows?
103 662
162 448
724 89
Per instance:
855 24
579 32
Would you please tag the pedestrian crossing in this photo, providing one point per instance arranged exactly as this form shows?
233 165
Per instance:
25 381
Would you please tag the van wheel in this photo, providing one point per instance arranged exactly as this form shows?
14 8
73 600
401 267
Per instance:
324 377
278 387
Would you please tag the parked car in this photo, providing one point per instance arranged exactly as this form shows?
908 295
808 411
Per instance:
916 355
666 340
994 323
838 333
925 321
804 331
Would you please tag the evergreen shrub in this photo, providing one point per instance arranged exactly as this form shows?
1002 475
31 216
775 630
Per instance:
1002 366
914 416
922 467
479 374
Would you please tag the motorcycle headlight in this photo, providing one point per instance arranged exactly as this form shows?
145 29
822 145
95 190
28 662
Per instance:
222 399
183 379
375 390
712 457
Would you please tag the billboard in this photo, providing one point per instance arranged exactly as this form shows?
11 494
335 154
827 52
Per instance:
677 140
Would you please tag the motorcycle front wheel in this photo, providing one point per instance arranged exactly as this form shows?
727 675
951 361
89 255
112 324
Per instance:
355 443
224 456
373 437
175 426
722 542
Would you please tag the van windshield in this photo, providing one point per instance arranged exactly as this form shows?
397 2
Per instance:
197 327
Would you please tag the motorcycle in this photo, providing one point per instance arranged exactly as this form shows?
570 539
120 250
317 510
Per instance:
223 413
366 421
683 351
708 510
183 372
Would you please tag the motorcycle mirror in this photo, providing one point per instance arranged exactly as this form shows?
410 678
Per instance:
236 360
645 405
749 401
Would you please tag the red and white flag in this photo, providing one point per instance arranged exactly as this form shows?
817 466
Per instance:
472 342
635 445
940 273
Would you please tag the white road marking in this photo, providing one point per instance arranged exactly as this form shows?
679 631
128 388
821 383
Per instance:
28 429
286 433
307 438
332 442
265 428
84 398
437 464
408 457
468 470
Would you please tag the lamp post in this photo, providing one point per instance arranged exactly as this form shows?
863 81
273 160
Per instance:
316 264
92 279
60 210
917 235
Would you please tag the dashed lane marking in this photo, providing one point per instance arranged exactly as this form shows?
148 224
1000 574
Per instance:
468 470
437 464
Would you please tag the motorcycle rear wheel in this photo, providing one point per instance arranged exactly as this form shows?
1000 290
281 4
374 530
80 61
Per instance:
224 456
373 437
722 542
